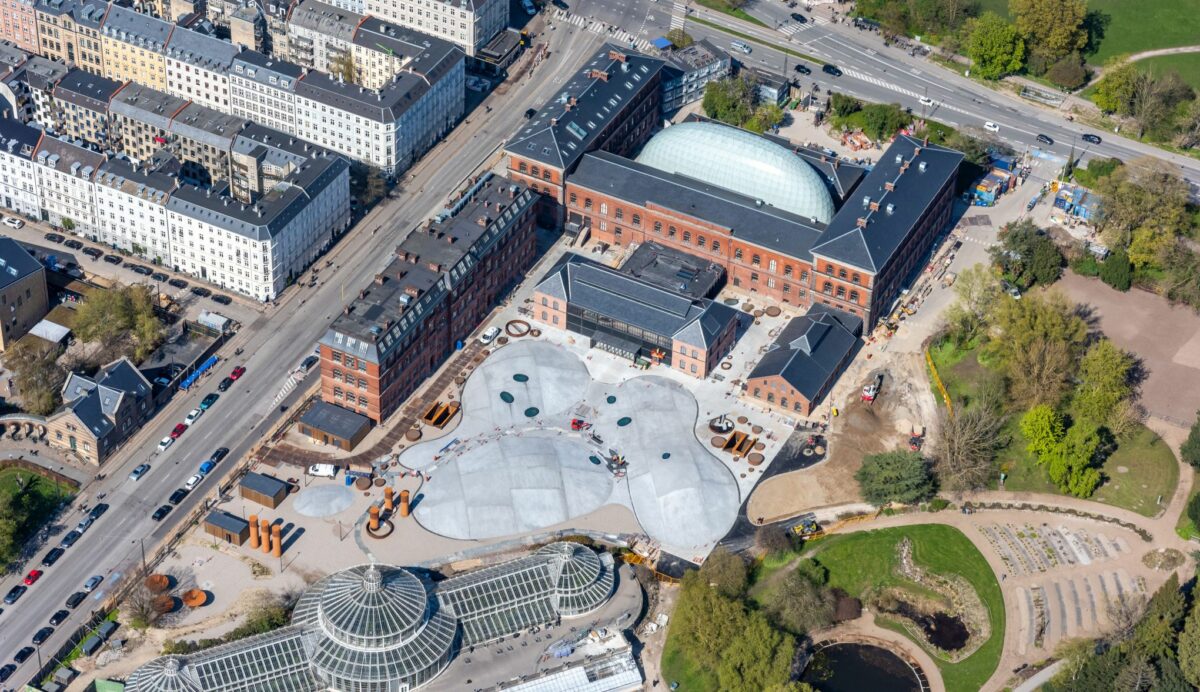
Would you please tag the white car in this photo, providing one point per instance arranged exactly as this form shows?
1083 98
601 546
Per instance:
193 416
991 126
92 582
193 481
166 442
926 101
738 45
13 222
489 336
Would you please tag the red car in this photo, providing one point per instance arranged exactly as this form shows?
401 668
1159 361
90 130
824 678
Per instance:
33 576
179 430
237 372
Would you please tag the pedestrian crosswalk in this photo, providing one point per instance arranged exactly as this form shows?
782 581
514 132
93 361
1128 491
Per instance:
877 81
616 33
790 29
678 14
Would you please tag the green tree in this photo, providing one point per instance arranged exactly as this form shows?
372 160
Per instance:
977 291
726 572
1189 644
843 105
730 100
1068 72
799 605
1138 675
122 320
705 621
1193 510
1145 208
1027 255
897 476
1115 90
1043 429
772 538
67 224
1069 465
1155 635
1170 677
1053 28
1116 270
994 46
679 38
1190 450
1104 373
1037 342
37 374
758 657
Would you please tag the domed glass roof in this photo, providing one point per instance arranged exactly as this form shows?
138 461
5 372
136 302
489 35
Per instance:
369 607
582 579
743 162
166 674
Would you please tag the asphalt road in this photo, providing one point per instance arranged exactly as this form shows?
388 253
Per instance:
273 344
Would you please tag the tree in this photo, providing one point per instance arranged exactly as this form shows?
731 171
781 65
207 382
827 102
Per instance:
772 538
1155 634
122 320
1189 644
964 450
843 105
705 621
1116 270
757 658
67 224
1145 208
1069 465
1137 676
730 100
37 374
1124 612
343 67
882 120
1037 342
1104 373
1040 374
898 476
1068 72
994 46
139 606
725 572
800 606
1190 450
1027 255
679 38
1043 429
1170 677
1115 90
1053 28
977 290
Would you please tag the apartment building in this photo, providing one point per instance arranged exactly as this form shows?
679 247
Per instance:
18 180
320 34
131 212
69 31
81 107
203 138
31 88
688 72
469 24
198 68
18 23
263 89
140 120
23 297
65 174
443 281
134 47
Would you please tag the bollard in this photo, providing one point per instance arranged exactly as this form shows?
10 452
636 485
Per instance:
276 543
404 503
388 502
253 532
264 530
374 523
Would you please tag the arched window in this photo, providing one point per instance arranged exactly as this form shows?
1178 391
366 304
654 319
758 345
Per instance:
771 266
671 231
856 278
637 219
828 287
787 270
853 296
737 254
841 292
841 273
657 226
687 236
700 240
829 269
755 260
716 246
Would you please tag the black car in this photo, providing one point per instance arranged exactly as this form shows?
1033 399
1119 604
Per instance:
831 70
799 18
98 510
161 512
23 655
218 455
59 617
75 599
69 539
178 283
176 498
225 385
1045 139
1091 139
201 291
42 635
52 557
73 244
530 113
803 69
7 671
139 269
93 252
159 276
112 259
14 593
54 237
222 299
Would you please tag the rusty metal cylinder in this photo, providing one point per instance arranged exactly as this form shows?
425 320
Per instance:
404 503
253 531
264 529
374 523
388 502
276 541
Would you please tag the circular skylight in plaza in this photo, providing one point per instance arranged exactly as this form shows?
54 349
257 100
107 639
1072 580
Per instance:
742 162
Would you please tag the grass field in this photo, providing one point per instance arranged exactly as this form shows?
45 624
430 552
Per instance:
858 562
1187 65
722 7
10 479
1184 527
677 668
1145 25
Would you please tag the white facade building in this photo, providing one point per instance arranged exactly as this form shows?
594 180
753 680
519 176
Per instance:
469 24
198 68
65 181
18 180
131 211
264 90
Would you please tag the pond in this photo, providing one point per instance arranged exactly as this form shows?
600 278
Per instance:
856 667
946 632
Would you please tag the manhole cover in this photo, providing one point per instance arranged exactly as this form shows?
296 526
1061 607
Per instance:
624 421
506 397
611 399
520 377
531 412
666 455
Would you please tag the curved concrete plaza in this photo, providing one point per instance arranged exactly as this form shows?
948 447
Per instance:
513 464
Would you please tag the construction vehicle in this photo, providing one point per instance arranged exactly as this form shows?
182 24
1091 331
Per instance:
871 391
916 439
808 529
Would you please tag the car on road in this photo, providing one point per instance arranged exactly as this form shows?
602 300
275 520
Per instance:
142 270
42 635
159 276
75 599
112 259
143 468
33 576
309 362
52 556
991 126
73 244
832 70
225 384
7 670
92 582
219 454
177 283
177 496
803 69
14 593
193 416
59 617
201 291
178 431
207 467
489 336
208 401
13 222
529 7
24 654
739 46
72 536
161 512
98 511
530 112
54 237
926 101
1045 139
1090 139
237 372
222 299
193 481
799 18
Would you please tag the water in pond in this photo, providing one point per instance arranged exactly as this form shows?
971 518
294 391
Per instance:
946 632
858 667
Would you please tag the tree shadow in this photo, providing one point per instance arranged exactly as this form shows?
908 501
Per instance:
1095 23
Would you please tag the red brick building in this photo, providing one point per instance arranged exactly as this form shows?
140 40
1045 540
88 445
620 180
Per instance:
800 368
445 278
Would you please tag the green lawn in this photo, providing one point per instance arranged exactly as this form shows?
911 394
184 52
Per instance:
858 562
1187 65
1184 527
677 668
1145 25
9 486
722 7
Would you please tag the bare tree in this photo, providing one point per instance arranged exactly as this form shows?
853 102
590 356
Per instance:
1038 374
772 538
1124 613
139 605
965 448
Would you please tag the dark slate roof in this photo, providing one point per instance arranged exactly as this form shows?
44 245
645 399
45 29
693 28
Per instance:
335 420
886 231
200 49
143 104
806 354
207 126
263 484
17 138
606 291
42 73
137 28
15 262
88 13
766 226
68 157
326 19
151 184
11 55
405 43
226 521
561 133
95 400
86 89
252 65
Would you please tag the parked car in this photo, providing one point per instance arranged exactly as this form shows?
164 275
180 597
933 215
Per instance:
803 69
54 237
177 283
193 481
225 384
112 259
1045 139
42 635
308 363
222 299
177 496
1011 290
85 523
143 468
141 270
530 112
14 593
75 599
201 291
1090 139
161 512
208 401
98 510
73 244
219 454
24 654
92 582
59 617
7 670
166 442
831 70
991 126
237 372
322 470
489 336
178 430
159 276
13 222
52 557
33 576
193 416
72 536
206 467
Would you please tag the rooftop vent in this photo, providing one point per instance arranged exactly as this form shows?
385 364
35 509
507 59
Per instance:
921 166
891 208
899 158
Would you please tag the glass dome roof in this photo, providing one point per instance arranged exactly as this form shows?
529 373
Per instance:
166 674
742 162
369 607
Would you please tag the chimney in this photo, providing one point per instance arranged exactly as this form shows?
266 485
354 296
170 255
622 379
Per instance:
380 279
889 186
616 55
861 222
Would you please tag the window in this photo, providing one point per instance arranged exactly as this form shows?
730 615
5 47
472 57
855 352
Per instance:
783 401
671 231
771 266
804 276
535 171
787 270
700 240
841 291
757 393
787 288
737 254
574 199
755 260
687 236
754 277
854 296
828 268
620 214
716 246
587 203
657 226
522 167
604 208
856 278
827 287
637 219
770 397
841 273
